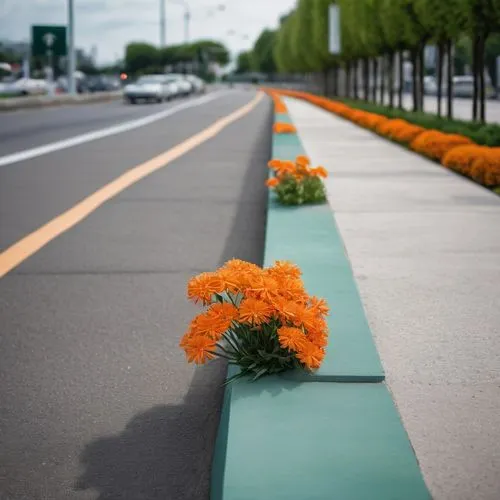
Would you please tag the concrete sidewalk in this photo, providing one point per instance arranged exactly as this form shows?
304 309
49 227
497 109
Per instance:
424 245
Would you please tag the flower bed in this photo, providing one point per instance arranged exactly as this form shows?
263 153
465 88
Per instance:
296 183
261 320
479 163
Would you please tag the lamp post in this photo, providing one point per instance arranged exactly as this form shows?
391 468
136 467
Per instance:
187 18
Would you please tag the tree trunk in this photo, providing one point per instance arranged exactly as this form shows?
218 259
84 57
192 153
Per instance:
449 77
336 81
401 79
366 78
390 58
348 79
439 71
355 79
414 78
482 93
421 74
475 71
382 79
374 81
325 82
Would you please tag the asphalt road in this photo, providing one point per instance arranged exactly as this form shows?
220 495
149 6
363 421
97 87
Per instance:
97 401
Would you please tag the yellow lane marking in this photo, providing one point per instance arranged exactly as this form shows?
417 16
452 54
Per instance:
30 244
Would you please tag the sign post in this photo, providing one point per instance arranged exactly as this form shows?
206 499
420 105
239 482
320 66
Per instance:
49 42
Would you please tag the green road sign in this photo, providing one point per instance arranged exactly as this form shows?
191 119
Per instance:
48 40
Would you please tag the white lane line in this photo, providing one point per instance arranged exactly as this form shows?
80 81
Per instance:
105 132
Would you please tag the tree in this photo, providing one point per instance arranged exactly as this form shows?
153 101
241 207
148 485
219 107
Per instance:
283 55
244 62
305 54
139 56
482 19
444 21
262 53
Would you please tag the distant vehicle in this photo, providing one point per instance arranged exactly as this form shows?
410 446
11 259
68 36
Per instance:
157 88
102 83
197 83
185 86
30 86
463 86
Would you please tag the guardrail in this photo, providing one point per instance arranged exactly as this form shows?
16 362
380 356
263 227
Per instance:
14 103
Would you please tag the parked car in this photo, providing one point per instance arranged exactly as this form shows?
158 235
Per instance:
156 88
197 83
29 86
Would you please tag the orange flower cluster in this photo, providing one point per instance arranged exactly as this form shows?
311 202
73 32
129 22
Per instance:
252 310
481 163
279 105
284 128
299 170
435 144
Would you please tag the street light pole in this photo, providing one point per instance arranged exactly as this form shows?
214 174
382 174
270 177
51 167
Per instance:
71 48
162 24
187 16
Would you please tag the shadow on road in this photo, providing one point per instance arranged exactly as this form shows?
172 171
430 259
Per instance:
163 453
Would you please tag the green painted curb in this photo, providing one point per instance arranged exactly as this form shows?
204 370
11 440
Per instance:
308 236
315 441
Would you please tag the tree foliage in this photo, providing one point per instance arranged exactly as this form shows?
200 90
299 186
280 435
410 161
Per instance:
262 53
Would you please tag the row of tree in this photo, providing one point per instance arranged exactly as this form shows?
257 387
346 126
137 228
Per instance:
141 58
376 37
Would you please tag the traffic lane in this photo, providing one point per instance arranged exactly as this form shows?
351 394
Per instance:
34 191
25 129
97 399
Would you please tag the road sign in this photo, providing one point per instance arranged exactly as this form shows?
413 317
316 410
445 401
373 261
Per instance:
48 40
334 29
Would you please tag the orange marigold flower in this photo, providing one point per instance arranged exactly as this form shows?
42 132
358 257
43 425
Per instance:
319 325
275 163
204 286
199 349
305 317
319 339
209 325
291 338
319 305
272 182
223 312
283 268
284 128
254 311
262 287
241 265
302 161
310 355
286 309
292 289
319 172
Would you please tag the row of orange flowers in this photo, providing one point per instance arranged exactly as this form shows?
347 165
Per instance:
454 151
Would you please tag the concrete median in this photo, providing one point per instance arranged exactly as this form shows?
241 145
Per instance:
43 101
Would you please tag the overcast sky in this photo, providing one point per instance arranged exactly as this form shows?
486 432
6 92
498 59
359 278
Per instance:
111 24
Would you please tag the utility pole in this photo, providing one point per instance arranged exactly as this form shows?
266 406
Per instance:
162 24
71 48
187 16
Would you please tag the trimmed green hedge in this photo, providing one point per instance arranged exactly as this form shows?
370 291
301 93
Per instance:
485 134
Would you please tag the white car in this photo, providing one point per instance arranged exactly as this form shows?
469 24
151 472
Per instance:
185 86
156 88
198 84
30 86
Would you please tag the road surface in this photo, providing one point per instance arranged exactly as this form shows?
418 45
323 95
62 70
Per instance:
97 401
